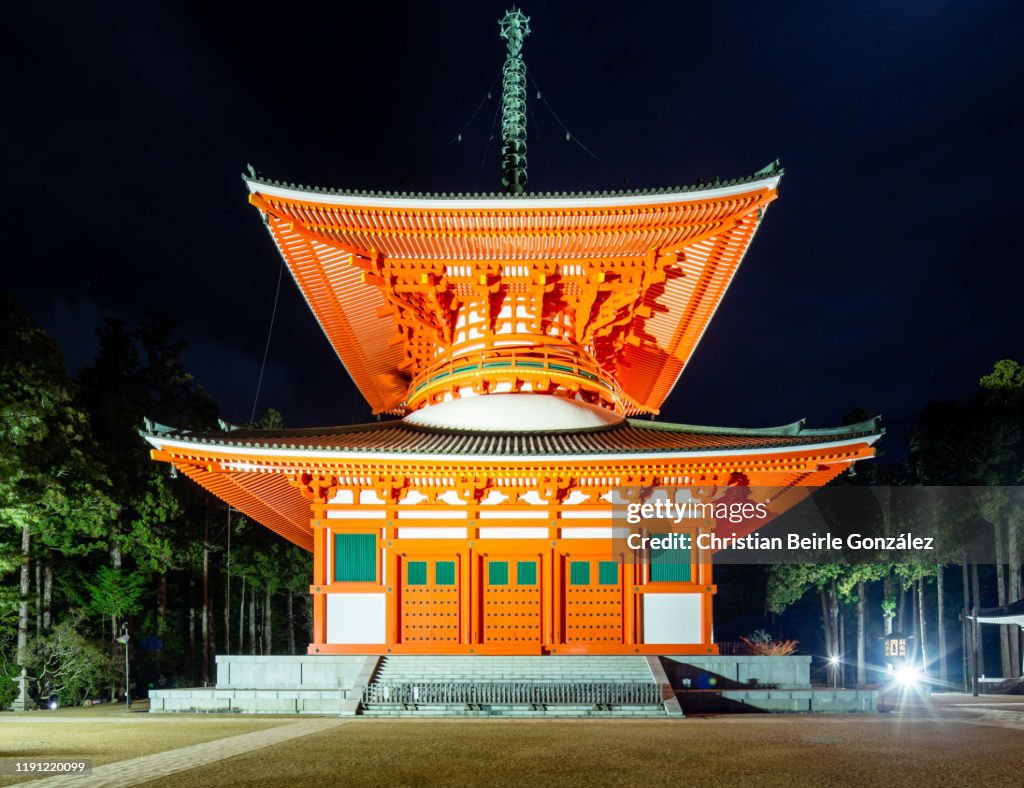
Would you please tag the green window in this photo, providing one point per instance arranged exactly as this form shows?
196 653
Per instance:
417 573
579 573
670 565
444 573
526 573
355 558
608 573
497 573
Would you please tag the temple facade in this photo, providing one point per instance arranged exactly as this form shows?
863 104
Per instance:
520 346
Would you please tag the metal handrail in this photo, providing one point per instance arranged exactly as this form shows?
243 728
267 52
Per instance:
532 693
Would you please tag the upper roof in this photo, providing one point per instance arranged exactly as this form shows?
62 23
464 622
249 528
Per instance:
460 200
637 274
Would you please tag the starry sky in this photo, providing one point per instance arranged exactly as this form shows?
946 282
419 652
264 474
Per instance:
886 275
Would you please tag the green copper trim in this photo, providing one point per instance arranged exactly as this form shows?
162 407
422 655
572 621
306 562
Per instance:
514 27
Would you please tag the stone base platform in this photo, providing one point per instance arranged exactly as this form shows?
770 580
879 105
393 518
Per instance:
348 685
811 700
301 684
250 701
720 684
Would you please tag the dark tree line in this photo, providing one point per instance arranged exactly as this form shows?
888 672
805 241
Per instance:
978 443
94 535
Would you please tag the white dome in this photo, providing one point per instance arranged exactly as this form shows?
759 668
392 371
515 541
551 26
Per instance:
513 413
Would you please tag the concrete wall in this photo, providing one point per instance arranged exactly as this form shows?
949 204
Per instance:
819 700
224 701
319 672
743 684
275 685
789 672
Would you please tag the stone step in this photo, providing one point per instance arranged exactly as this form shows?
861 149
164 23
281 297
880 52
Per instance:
599 669
505 710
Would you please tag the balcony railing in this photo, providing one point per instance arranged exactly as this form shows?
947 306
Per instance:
565 366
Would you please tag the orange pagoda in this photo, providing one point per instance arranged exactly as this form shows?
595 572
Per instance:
515 339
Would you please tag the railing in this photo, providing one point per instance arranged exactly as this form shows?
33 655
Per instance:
532 693
561 361
733 648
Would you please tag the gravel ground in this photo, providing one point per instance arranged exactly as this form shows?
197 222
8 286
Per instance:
776 750
949 741
109 733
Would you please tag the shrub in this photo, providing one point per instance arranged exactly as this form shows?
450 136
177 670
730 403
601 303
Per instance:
761 644
71 666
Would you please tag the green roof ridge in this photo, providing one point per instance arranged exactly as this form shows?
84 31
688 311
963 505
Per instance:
256 438
668 426
772 169
869 426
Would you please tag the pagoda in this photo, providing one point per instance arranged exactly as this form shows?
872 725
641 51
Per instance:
521 345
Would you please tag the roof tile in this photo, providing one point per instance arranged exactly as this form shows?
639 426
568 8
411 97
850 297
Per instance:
396 438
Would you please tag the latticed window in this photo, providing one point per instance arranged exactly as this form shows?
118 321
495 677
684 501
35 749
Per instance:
444 573
526 573
579 573
671 565
608 573
417 573
355 558
497 573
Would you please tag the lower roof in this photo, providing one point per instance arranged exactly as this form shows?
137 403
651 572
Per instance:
1006 614
253 470
401 439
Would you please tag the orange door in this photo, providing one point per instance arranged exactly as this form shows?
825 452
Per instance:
511 600
593 601
430 601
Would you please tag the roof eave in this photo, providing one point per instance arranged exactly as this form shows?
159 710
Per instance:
334 453
498 200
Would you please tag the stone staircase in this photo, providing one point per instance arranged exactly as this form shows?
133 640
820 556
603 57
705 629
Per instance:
520 686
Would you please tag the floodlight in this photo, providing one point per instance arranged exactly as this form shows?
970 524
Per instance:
907 675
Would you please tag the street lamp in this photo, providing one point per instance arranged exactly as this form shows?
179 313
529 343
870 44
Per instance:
834 662
227 588
127 685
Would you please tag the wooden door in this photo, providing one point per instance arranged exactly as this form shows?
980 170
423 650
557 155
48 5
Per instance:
511 600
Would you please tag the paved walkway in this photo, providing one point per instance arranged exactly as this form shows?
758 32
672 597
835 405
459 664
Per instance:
151 767
124 718
1002 715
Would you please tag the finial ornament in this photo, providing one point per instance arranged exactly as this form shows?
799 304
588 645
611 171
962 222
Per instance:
514 27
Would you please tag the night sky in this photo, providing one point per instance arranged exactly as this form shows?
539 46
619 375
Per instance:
887 274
